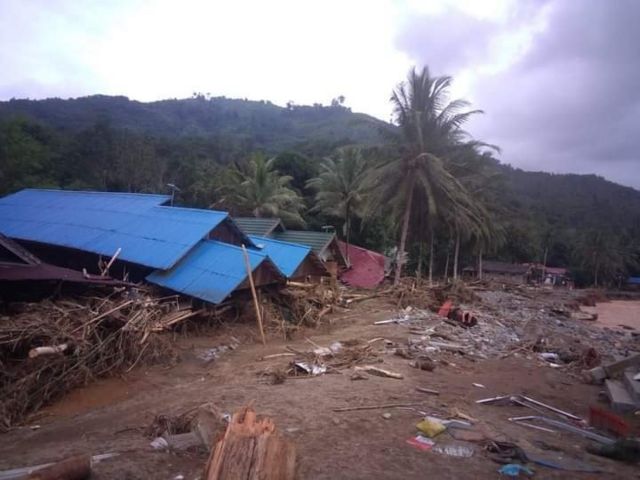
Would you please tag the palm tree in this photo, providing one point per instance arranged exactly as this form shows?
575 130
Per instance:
430 126
341 187
259 190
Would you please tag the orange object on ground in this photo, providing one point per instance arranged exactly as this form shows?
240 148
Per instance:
445 308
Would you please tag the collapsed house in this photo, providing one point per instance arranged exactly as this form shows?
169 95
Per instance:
501 272
192 251
367 269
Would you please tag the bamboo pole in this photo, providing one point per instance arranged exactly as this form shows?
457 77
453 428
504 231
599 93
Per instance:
253 293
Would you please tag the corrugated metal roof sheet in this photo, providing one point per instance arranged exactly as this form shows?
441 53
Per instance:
210 272
366 267
149 234
287 256
258 226
318 241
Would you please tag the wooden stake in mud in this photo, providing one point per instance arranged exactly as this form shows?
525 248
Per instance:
253 293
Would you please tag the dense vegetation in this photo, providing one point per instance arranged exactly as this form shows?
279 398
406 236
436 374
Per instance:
422 182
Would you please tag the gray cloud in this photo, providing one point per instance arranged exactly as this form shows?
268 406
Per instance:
571 103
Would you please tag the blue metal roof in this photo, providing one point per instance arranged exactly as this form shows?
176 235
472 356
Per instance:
633 280
211 271
149 234
287 256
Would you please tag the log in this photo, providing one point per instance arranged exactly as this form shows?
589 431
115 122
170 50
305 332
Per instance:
72 468
251 449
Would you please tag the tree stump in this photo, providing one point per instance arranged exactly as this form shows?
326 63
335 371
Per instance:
251 449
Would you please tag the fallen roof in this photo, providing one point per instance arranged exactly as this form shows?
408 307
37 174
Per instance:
286 256
366 267
18 264
211 271
101 222
259 226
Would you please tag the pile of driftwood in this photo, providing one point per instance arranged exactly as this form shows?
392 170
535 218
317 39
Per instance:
298 305
49 347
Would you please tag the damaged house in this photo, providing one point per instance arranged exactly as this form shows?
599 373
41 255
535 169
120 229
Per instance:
192 251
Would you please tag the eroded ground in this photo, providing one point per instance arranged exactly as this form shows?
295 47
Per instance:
110 415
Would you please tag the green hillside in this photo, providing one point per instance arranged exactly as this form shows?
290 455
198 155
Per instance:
265 125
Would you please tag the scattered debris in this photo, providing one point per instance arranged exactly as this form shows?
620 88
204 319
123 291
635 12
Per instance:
379 372
423 363
567 427
311 369
599 374
431 427
359 375
561 462
376 407
34 471
421 443
49 347
427 390
608 421
626 450
478 385
457 449
514 470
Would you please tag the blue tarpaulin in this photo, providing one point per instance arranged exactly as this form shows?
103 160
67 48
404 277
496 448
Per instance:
210 272
100 222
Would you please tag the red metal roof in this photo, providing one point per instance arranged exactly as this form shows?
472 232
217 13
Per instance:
367 267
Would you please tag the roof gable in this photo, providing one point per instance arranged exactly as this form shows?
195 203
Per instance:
259 226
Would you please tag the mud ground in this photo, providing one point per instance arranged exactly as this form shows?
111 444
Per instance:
110 415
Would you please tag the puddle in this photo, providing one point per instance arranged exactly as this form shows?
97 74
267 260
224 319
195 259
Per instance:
616 313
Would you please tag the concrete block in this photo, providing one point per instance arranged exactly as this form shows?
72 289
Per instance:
621 401
633 386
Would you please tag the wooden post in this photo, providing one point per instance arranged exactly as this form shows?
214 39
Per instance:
253 293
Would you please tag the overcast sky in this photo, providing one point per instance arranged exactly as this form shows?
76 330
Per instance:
559 80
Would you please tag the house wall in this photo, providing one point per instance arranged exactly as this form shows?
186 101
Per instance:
226 234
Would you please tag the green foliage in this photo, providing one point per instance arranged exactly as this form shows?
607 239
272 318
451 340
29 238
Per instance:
257 189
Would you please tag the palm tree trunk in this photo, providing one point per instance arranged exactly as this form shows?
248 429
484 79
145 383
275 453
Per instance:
404 231
348 228
446 264
595 273
456 255
431 242
480 264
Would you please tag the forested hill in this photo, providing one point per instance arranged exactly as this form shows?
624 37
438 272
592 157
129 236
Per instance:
579 201
263 124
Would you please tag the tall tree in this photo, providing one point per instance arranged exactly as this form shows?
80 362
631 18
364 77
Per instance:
430 125
341 187
256 188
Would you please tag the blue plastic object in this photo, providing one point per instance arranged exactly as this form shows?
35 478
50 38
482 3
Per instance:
514 470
